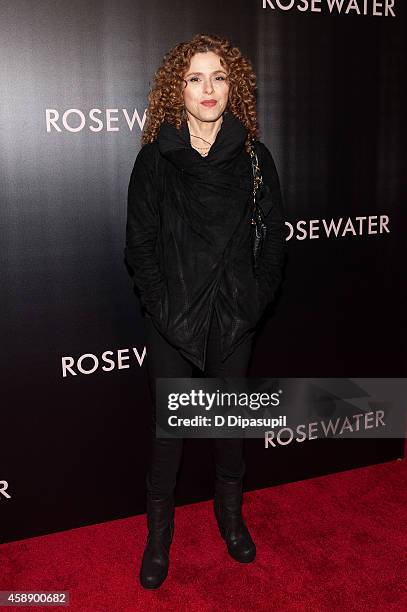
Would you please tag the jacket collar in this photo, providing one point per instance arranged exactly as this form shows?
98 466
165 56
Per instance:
175 145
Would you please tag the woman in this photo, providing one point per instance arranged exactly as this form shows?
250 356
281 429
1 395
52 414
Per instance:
188 242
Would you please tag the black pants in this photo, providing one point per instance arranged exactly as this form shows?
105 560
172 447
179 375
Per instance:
165 361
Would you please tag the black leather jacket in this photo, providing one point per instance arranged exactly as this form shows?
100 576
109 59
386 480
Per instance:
167 275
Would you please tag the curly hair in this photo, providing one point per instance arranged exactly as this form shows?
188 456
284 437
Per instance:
165 97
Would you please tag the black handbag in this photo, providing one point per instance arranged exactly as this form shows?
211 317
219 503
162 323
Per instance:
259 227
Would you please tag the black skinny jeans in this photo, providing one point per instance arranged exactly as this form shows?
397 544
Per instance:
165 361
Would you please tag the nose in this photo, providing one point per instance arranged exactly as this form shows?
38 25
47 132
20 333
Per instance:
208 87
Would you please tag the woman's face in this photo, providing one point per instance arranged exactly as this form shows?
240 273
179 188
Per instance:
206 80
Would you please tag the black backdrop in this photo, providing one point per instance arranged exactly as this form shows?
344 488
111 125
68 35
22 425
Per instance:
74 447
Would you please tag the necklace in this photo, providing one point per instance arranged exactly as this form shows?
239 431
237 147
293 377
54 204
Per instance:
209 143
204 149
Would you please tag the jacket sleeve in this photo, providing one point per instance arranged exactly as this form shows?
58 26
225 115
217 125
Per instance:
274 249
142 231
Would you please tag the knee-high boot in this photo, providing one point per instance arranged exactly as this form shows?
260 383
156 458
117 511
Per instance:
228 513
160 521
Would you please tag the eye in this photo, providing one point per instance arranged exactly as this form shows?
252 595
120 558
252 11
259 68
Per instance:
195 79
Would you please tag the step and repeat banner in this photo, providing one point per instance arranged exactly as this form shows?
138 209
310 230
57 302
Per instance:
75 78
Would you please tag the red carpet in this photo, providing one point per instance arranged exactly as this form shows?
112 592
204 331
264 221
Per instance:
337 542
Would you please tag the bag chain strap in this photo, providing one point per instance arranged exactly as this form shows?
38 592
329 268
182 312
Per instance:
257 181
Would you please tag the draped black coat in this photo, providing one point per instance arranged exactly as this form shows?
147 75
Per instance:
188 237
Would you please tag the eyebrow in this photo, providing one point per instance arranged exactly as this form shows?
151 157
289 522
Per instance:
200 73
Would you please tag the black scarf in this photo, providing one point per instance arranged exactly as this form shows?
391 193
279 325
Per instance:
211 194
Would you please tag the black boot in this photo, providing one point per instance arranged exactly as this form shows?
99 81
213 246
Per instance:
160 521
228 512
